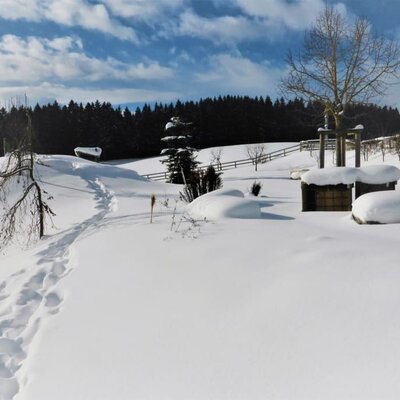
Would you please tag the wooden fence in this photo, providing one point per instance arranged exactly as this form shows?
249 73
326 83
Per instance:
163 176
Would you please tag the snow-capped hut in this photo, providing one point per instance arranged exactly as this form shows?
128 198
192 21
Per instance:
328 189
88 153
376 178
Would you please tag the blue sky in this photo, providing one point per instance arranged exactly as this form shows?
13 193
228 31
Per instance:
136 51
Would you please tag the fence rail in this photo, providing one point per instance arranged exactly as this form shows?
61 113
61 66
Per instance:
161 176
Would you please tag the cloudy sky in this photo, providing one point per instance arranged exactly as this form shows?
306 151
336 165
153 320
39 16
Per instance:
136 51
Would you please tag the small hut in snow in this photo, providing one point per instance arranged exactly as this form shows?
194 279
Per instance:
330 189
88 153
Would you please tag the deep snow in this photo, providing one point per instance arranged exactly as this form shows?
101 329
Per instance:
288 305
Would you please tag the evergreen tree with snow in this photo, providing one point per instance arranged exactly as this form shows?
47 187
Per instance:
180 159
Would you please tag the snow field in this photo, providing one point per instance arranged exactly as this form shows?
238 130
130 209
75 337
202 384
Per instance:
287 305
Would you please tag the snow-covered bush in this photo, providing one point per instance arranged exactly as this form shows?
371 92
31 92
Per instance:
201 182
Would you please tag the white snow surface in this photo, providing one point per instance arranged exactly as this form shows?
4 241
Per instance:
373 174
378 207
289 305
224 203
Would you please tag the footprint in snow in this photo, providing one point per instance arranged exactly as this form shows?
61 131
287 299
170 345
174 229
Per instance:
52 300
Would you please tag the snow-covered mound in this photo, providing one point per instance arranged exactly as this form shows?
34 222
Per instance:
224 203
377 207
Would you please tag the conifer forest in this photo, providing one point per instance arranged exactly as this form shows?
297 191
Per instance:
228 120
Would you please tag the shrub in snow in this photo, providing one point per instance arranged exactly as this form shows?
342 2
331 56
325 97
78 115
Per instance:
201 182
255 188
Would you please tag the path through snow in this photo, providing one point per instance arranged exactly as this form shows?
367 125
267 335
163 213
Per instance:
27 297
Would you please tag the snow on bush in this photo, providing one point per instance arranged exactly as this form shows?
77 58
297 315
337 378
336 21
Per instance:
377 207
224 203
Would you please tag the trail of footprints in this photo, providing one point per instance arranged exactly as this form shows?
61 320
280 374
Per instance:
20 321
21 309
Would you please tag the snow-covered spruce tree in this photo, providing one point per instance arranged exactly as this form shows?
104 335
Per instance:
22 199
180 159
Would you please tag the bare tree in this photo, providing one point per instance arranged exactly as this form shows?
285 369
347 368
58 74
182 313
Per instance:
22 198
342 62
215 157
383 149
396 144
366 149
256 153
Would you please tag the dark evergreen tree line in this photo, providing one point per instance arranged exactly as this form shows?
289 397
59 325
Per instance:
218 121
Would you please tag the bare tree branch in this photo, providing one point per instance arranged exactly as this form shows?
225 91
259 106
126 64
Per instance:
24 209
341 63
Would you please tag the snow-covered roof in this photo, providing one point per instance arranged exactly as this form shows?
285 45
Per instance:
372 174
376 174
90 151
330 176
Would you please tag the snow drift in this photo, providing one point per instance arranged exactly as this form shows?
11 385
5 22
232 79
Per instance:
378 207
224 203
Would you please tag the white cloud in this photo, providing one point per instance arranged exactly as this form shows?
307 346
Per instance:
225 29
71 13
143 9
258 20
240 75
296 14
46 93
63 60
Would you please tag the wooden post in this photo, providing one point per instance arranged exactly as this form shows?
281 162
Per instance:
357 138
321 150
343 150
338 149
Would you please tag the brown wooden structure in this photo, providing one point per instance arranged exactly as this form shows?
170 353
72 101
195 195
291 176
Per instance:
363 188
341 138
326 197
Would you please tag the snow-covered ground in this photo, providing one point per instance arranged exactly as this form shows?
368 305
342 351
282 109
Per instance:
282 305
